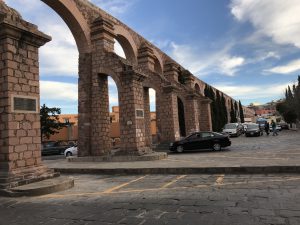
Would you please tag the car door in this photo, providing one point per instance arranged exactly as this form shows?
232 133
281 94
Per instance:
206 140
192 142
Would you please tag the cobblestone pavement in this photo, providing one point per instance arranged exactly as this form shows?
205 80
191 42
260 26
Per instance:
286 139
163 199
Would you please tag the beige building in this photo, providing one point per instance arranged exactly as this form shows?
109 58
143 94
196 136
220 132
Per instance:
70 132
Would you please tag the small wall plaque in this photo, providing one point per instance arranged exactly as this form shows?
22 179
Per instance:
139 113
24 104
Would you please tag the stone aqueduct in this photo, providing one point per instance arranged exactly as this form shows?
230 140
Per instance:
145 67
95 32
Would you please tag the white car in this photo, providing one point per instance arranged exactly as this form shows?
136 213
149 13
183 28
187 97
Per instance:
71 151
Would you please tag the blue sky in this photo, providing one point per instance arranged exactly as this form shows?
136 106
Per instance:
249 49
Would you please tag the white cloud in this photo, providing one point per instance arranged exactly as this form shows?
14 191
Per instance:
60 91
58 60
66 92
273 18
291 67
203 63
60 56
269 55
229 65
26 5
115 7
245 92
152 95
119 50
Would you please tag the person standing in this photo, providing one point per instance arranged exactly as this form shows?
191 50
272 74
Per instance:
273 124
267 128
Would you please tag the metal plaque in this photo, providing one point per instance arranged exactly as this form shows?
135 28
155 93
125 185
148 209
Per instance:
139 113
24 104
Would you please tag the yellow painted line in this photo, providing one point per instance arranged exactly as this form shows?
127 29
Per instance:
122 185
254 182
161 188
222 156
220 179
173 181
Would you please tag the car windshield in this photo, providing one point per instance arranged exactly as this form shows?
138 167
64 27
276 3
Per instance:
252 126
230 126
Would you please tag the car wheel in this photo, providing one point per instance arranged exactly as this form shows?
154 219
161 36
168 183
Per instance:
179 149
69 154
216 147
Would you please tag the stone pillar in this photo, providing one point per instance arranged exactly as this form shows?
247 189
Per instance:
146 57
20 133
132 114
205 115
102 39
102 35
84 104
147 114
171 71
191 114
189 80
100 122
167 115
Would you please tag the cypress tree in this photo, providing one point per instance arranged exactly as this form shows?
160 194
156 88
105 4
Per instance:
241 112
232 114
224 111
218 112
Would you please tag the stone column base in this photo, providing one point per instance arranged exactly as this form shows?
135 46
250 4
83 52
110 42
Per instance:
134 152
24 176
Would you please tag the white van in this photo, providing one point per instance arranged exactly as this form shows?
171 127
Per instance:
233 129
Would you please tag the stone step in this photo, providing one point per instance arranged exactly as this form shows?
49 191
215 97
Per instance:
120 158
41 188
163 147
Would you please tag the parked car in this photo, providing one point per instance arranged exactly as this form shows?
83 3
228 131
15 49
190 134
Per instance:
201 140
253 130
71 151
278 128
284 126
233 129
53 148
245 125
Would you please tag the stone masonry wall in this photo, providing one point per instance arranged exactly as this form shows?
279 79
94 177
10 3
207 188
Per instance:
20 133
20 143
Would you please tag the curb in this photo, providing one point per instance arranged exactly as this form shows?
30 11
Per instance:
40 188
186 170
120 158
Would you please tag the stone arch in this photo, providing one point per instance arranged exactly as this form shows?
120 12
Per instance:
74 19
127 43
157 66
109 72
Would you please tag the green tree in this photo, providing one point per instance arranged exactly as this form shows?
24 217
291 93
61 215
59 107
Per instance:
49 121
218 108
241 112
224 111
232 114
289 108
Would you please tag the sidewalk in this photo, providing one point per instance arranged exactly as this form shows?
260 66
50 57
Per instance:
246 155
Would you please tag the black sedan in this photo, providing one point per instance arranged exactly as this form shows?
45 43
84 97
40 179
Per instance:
201 140
253 130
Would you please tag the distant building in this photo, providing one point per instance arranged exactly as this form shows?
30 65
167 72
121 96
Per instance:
265 112
70 132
